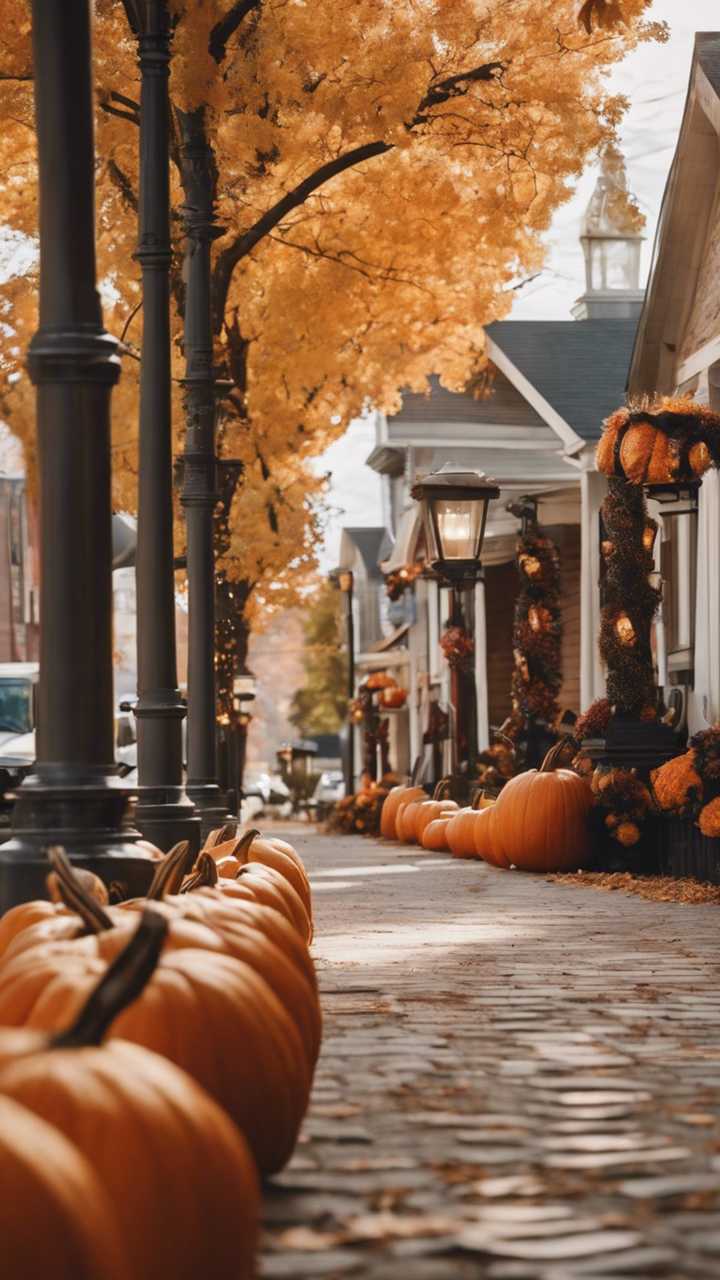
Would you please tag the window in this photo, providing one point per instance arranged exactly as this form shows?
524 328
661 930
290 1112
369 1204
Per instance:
678 564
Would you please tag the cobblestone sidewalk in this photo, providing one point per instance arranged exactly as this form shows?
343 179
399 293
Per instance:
519 1081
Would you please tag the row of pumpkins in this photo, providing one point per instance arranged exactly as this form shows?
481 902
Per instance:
537 823
155 1057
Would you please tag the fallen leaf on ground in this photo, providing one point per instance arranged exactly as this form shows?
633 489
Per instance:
653 888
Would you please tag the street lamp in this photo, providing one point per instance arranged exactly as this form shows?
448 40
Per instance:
73 796
344 580
454 506
244 693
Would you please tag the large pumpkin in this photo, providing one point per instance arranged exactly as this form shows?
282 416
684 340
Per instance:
146 1129
540 817
55 1219
212 1015
395 797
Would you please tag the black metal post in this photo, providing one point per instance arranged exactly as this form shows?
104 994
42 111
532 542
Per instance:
351 687
463 696
164 813
200 495
74 796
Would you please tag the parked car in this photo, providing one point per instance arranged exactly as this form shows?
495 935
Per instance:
18 719
330 789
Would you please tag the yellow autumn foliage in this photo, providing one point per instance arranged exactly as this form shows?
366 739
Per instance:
386 170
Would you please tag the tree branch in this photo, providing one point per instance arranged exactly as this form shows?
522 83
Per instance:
240 248
440 92
227 26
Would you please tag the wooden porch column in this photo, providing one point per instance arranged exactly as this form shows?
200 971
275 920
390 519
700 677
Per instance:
481 684
592 677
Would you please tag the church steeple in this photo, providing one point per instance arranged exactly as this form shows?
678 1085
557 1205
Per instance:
611 238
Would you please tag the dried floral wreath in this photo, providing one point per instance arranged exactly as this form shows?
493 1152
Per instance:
661 440
689 784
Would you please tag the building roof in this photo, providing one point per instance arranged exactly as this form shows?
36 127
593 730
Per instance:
369 543
680 316
580 367
454 408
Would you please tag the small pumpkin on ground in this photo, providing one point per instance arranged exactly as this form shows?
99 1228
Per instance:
540 818
395 797
251 847
428 810
487 842
253 881
461 829
435 834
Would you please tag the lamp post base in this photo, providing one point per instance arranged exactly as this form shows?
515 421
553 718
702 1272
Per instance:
89 818
210 806
165 815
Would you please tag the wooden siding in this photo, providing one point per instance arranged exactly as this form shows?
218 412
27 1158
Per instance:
501 583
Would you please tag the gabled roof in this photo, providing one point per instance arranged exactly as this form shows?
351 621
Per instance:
460 407
579 367
669 350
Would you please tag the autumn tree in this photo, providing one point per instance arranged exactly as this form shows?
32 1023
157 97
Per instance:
320 706
384 172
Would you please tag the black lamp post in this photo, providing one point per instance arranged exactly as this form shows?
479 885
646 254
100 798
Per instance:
244 694
343 578
74 796
454 506
164 813
200 490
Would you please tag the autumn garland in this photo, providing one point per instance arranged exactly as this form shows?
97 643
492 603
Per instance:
630 600
537 634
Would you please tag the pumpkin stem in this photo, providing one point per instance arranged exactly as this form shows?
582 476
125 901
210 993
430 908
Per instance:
205 874
124 981
477 798
552 758
243 849
70 889
442 790
171 872
220 835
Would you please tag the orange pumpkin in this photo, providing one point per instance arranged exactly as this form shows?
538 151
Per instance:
262 851
540 817
210 1014
55 1218
253 881
393 697
429 811
406 818
435 834
391 805
461 831
126 1109
487 843
648 455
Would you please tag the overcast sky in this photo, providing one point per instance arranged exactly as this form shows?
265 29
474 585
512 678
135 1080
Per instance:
655 80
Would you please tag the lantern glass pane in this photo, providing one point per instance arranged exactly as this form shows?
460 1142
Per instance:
459 525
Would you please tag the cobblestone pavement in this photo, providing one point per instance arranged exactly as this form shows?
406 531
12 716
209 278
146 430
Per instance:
519 1081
